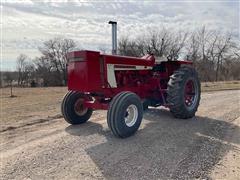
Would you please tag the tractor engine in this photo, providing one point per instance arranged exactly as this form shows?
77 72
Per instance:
132 78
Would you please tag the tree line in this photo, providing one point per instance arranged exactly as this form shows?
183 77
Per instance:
216 56
49 69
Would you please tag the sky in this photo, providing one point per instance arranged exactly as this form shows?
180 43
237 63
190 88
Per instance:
26 24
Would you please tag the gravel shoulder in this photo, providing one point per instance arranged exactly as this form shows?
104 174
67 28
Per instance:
204 147
228 167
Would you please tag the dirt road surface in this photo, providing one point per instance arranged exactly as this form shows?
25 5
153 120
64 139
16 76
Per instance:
204 147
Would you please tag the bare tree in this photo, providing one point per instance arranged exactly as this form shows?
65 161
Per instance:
8 77
159 42
201 49
21 66
193 48
176 44
223 45
43 70
209 50
55 50
29 74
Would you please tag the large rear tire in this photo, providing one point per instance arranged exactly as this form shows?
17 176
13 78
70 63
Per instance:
183 93
73 110
125 114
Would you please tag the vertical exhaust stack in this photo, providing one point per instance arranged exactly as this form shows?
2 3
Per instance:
114 36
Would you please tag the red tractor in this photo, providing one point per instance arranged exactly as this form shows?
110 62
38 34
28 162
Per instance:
125 86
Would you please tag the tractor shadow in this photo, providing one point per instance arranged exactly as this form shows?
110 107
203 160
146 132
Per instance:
163 148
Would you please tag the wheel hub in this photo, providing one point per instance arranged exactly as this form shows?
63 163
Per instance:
190 93
131 115
79 107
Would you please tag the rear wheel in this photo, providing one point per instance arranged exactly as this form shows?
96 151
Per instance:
125 114
73 109
183 93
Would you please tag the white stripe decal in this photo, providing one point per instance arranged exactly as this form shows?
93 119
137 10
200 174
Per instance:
133 68
111 68
111 75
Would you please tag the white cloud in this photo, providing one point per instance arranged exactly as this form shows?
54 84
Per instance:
26 24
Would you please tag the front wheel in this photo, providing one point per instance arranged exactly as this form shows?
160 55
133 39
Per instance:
73 109
125 114
183 92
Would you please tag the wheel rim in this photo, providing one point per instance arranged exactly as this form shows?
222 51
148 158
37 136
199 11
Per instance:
79 107
190 94
131 115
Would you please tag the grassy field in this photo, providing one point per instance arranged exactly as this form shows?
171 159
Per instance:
31 105
221 85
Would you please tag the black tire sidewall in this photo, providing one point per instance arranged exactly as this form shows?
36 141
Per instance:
121 125
117 111
176 92
69 112
111 111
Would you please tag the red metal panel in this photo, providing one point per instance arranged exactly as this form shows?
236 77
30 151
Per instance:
84 54
148 60
77 76
84 75
94 75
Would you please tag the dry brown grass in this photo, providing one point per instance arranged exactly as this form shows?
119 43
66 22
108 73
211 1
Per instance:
221 85
29 105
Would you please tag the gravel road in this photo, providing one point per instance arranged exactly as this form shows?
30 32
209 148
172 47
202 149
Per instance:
204 147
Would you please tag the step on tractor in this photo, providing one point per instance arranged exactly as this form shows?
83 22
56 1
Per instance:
126 87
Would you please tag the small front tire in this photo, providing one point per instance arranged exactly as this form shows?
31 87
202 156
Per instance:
73 109
125 114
